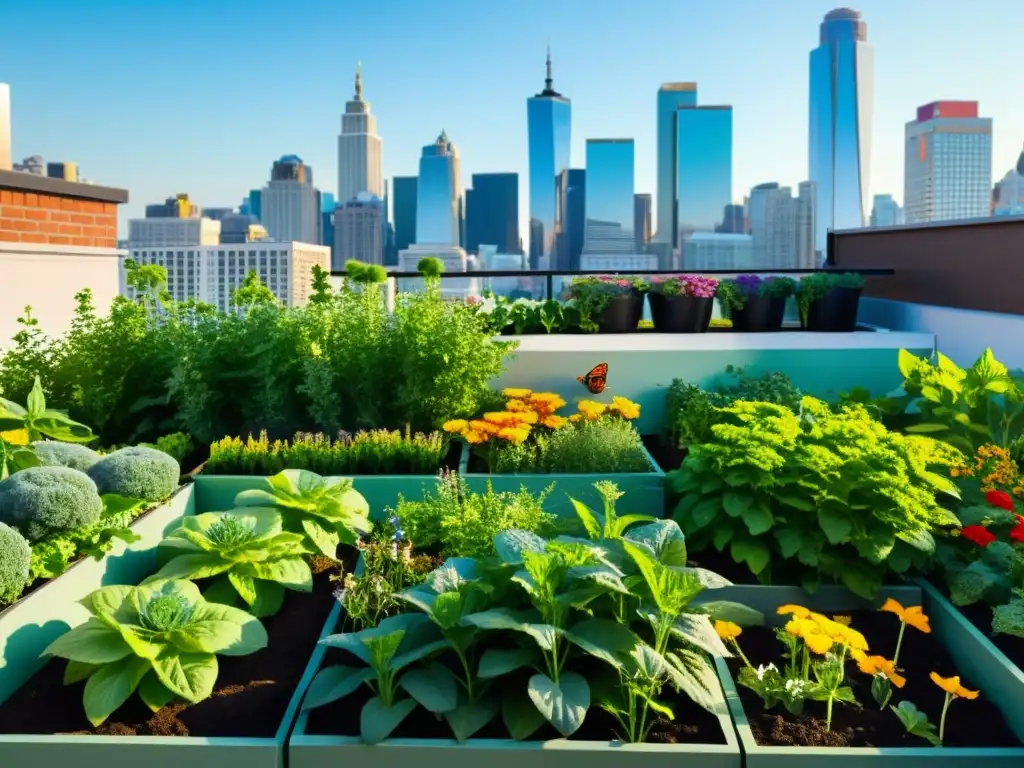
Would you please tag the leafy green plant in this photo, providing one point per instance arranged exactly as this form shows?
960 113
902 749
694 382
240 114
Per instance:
163 643
177 445
39 421
43 501
826 495
598 446
15 559
590 295
816 286
732 293
246 552
327 510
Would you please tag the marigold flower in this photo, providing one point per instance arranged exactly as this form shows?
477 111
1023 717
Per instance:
456 426
914 615
879 665
554 421
475 437
951 685
508 418
516 435
727 630
517 406
627 409
812 635
979 534
796 610
486 427
548 402
575 417
517 393
591 409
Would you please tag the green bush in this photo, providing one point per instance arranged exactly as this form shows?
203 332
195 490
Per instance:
52 453
15 555
137 472
602 446
42 501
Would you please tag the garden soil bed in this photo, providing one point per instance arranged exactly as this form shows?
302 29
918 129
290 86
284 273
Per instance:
980 615
975 723
692 725
249 700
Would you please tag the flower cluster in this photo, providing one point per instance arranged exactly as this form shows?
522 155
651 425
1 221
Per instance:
980 534
542 404
510 426
620 407
994 469
609 285
684 285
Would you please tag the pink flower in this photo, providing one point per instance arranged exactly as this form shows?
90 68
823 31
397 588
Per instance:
622 283
474 300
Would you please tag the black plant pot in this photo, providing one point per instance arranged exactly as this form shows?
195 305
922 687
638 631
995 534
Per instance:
836 311
681 314
622 314
759 313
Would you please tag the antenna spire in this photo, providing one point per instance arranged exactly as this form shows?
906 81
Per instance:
548 81
359 81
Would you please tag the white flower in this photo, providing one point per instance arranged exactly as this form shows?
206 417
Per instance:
762 670
488 305
795 686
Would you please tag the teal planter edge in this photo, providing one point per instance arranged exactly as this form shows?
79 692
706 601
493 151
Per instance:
308 751
755 756
34 621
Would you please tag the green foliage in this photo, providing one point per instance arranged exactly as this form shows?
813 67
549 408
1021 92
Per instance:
252 292
827 495
31 355
52 453
430 267
376 452
162 643
39 421
177 445
1008 619
462 523
590 295
326 510
322 289
137 471
246 551
43 501
526 316
15 557
732 293
916 722
815 287
595 447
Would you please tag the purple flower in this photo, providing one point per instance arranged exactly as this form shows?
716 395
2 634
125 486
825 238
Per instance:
749 285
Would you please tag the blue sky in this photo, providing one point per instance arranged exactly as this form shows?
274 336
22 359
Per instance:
200 96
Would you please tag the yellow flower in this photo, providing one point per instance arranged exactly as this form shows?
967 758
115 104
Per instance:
475 437
516 435
554 421
808 630
575 417
16 436
914 615
879 665
508 418
627 409
455 425
546 402
844 620
517 406
727 630
796 610
486 427
951 685
591 409
516 393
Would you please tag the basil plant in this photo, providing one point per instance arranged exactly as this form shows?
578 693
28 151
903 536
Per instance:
162 643
246 551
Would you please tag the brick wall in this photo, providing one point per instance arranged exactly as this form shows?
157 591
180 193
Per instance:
31 217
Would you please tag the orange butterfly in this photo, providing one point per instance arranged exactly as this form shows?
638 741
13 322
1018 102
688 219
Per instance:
596 379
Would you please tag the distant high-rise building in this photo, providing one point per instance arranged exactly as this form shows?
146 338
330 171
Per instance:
404 203
241 228
175 222
885 212
290 204
252 203
359 231
641 221
842 85
734 220
327 206
549 133
671 96
217 214
947 163
609 211
570 224
5 127
177 207
708 250
62 170
781 227
1008 196
492 212
33 164
359 149
437 194
703 168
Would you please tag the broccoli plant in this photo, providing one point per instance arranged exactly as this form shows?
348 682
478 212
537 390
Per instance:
246 550
45 501
162 643
15 556
138 472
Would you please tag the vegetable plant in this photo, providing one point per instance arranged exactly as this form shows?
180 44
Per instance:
732 293
816 286
246 551
40 421
162 643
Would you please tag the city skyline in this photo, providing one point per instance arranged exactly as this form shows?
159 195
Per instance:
218 157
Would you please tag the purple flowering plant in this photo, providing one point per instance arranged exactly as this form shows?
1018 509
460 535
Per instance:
698 286
733 292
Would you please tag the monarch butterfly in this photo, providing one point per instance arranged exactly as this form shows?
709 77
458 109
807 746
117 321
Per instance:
595 379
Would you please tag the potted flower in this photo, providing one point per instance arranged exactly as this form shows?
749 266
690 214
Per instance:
755 303
828 301
682 303
607 303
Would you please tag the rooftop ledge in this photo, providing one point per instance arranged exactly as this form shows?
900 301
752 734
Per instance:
18 181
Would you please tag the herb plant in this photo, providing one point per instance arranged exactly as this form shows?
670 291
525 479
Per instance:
589 295
816 286
162 643
732 293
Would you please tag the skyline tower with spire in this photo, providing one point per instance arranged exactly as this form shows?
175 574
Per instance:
359 148
549 134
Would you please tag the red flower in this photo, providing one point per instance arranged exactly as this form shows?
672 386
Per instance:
1017 532
1000 499
979 534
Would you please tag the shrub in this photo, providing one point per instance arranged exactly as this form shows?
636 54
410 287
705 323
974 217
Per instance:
41 501
52 453
15 555
137 472
602 446
176 445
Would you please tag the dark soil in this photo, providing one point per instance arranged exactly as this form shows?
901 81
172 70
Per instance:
249 700
668 456
738 573
692 725
980 615
975 723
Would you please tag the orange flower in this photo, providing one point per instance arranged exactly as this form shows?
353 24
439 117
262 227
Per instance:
796 610
727 630
951 685
554 421
486 427
515 392
475 437
879 665
517 406
546 403
914 615
516 435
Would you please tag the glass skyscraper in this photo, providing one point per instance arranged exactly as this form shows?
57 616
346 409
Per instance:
842 96
703 168
404 202
439 194
570 222
671 96
492 212
548 124
609 206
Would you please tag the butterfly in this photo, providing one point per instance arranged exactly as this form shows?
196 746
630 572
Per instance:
596 379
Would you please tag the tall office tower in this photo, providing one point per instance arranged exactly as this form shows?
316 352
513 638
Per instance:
492 212
359 149
641 220
842 87
570 221
549 133
241 228
253 203
781 227
437 194
609 211
359 231
703 168
708 250
671 96
885 212
1008 194
404 190
327 206
947 163
290 204
734 220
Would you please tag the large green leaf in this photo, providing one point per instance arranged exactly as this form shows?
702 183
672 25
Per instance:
90 643
692 674
209 633
496 662
377 720
324 540
758 519
244 584
504 619
269 598
188 675
511 544
697 630
563 704
333 683
790 541
753 552
736 504
467 719
591 522
521 717
110 686
737 613
603 638
665 540
835 524
198 566
153 693
433 686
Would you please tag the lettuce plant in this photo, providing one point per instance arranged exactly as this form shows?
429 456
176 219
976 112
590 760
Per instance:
248 552
162 643
326 509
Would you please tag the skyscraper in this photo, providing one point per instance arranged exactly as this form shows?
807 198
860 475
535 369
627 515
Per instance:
671 96
549 126
570 223
885 212
703 168
438 194
359 231
782 226
609 207
734 220
404 202
359 149
948 163
290 204
492 212
641 221
842 81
